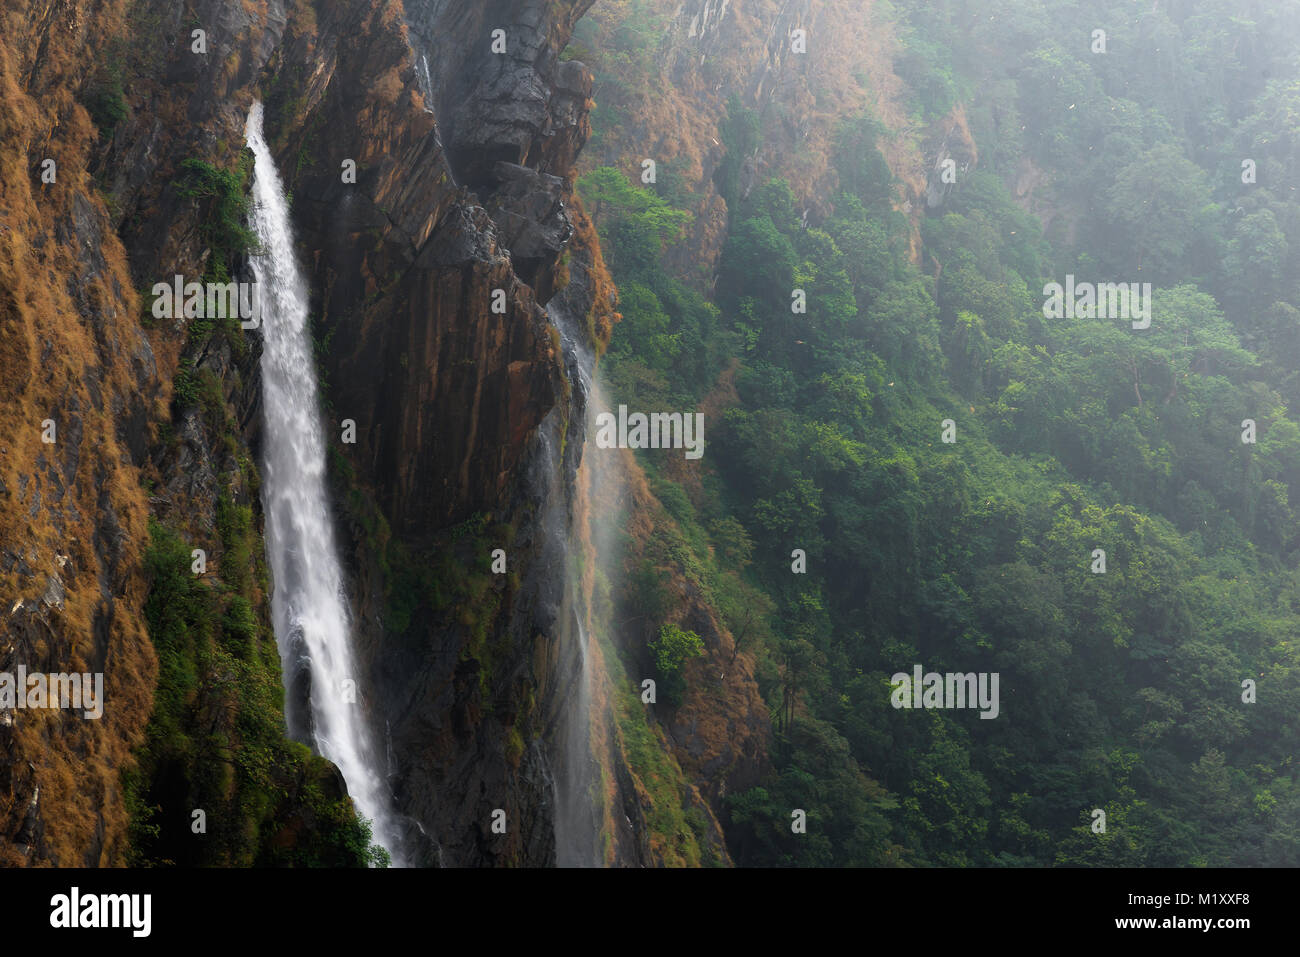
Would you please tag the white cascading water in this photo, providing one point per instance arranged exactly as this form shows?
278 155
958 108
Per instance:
579 809
307 601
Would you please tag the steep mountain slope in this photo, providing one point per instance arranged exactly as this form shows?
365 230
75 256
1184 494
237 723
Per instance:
450 400
585 655
912 460
667 70
723 96
448 394
79 373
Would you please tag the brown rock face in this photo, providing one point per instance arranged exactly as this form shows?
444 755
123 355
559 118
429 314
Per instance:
444 386
433 275
430 276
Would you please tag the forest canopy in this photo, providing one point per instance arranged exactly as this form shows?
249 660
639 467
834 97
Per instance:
1099 513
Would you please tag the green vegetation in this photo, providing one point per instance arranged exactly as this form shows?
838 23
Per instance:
648 756
225 196
636 227
671 650
105 98
1120 691
224 210
617 60
216 739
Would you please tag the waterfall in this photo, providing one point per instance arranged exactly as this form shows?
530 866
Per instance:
312 627
579 808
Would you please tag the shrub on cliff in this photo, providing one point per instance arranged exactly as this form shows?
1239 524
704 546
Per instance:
223 224
671 650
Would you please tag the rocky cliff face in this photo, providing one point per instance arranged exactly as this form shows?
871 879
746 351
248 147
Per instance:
463 410
467 424
79 383
152 417
458 295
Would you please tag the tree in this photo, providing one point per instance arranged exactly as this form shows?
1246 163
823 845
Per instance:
671 650
1153 212
641 221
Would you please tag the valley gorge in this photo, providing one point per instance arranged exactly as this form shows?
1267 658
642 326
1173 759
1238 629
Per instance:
410 569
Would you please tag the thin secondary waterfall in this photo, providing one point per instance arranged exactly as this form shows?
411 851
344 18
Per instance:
579 803
312 626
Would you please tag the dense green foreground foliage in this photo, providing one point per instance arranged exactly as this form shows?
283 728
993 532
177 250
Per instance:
1120 691
216 740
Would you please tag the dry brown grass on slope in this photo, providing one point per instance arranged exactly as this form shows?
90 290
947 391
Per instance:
74 510
585 248
675 110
